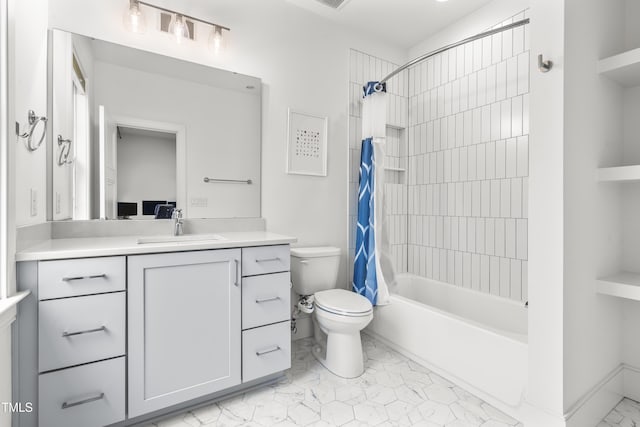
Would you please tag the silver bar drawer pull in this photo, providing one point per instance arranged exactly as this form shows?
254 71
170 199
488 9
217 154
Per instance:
67 405
66 334
268 260
95 276
263 352
260 301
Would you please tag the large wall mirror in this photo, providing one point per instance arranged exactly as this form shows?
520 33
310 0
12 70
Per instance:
135 134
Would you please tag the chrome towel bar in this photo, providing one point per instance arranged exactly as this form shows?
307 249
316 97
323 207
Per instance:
230 181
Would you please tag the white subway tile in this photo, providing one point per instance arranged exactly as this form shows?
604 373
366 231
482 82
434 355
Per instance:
521 239
481 161
477 126
505 276
482 87
480 235
468 58
485 273
494 275
473 90
437 70
516 198
525 281
453 64
505 121
447 166
429 262
490 236
525 114
472 163
501 159
447 99
523 156
505 198
451 131
525 197
468 127
486 123
523 73
455 233
433 107
516 279
507 44
475 272
432 231
433 167
467 199
495 198
455 165
445 66
512 77
462 234
475 198
464 163
491 160
466 270
478 55
451 197
436 264
440 167
511 157
460 61
518 40
464 93
429 136
458 269
496 117
486 52
442 189
496 48
485 199
459 199
446 244
440 101
430 74
455 96
501 80
500 237
471 235
437 135
459 130
510 238
454 270
491 84
516 116
439 231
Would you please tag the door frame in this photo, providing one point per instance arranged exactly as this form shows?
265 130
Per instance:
181 150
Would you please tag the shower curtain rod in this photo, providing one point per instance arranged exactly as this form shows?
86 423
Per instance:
451 46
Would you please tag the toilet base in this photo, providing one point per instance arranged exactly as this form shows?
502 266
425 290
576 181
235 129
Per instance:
340 353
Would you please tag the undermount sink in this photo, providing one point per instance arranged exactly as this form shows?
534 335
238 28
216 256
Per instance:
180 238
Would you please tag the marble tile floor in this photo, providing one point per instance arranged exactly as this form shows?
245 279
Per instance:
393 391
625 414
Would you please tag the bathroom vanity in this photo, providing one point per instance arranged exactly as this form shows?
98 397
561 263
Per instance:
118 332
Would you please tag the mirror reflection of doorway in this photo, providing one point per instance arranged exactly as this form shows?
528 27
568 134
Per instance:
146 165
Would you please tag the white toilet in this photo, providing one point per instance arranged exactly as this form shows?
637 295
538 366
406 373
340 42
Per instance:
339 315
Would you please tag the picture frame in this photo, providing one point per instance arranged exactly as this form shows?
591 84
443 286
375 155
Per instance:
306 144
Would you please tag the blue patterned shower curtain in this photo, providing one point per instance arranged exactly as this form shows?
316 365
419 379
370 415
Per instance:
369 274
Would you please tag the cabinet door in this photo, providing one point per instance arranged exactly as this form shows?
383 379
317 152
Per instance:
184 327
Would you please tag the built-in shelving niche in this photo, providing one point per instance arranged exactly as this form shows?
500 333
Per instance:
622 285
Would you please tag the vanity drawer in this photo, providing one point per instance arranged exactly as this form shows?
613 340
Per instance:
265 299
70 330
85 396
266 350
265 259
67 278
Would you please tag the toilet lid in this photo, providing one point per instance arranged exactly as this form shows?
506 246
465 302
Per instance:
340 301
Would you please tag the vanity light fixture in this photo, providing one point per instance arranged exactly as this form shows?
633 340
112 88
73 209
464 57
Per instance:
135 22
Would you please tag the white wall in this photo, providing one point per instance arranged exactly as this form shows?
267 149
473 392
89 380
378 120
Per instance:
222 128
146 168
303 61
30 68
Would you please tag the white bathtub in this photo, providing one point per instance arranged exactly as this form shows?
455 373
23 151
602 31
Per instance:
475 339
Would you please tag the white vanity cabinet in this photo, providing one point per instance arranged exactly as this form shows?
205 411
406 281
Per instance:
184 327
124 338
266 324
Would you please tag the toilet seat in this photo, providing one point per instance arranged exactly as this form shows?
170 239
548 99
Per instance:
343 303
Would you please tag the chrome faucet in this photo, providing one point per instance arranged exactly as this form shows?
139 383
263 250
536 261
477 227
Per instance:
176 216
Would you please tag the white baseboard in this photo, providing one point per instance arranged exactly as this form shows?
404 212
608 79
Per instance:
594 405
632 382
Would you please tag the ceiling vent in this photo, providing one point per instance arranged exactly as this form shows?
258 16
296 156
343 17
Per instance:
334 4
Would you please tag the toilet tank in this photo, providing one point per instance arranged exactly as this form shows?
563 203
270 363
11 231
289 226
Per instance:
314 269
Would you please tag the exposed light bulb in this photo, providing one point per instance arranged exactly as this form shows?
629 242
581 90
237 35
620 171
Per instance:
134 19
216 40
179 28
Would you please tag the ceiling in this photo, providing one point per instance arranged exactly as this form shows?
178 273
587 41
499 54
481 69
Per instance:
404 23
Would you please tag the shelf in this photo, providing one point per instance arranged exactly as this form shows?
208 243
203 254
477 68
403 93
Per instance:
622 285
396 127
623 68
619 174
395 169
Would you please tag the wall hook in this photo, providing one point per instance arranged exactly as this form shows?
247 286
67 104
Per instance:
544 66
65 151
33 120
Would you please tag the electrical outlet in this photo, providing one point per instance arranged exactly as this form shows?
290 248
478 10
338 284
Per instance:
58 203
199 202
34 202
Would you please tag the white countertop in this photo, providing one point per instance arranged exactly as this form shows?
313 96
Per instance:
128 245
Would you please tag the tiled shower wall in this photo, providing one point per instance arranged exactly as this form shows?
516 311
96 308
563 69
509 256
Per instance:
456 186
364 68
469 165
